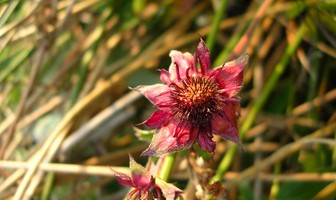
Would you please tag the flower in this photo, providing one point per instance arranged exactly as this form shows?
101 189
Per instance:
194 102
145 185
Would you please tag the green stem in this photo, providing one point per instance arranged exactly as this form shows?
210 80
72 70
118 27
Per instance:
211 38
225 163
260 102
334 153
49 179
223 56
275 184
167 167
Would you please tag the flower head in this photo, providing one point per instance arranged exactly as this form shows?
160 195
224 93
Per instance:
194 102
145 185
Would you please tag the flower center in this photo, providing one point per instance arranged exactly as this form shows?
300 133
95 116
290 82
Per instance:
195 99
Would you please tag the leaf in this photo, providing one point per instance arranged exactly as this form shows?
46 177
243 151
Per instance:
144 135
300 190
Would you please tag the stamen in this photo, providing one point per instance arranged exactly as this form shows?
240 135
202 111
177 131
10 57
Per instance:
195 99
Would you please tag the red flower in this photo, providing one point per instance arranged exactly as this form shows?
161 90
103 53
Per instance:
144 184
194 102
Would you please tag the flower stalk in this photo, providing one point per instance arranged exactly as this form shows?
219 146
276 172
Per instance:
167 167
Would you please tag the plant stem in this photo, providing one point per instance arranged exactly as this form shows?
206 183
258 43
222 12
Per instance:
211 38
167 166
275 184
47 187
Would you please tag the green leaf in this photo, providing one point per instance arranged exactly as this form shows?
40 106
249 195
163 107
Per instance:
143 77
8 66
204 154
144 135
300 190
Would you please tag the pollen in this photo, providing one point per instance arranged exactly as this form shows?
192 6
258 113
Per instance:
195 99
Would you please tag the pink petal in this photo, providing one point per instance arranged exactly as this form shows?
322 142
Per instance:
158 119
169 191
123 179
165 77
171 138
180 64
140 176
225 125
158 94
205 142
235 103
202 55
230 77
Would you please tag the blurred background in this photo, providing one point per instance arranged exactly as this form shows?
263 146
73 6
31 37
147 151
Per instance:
67 113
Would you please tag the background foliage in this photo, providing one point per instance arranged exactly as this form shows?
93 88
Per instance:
67 113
